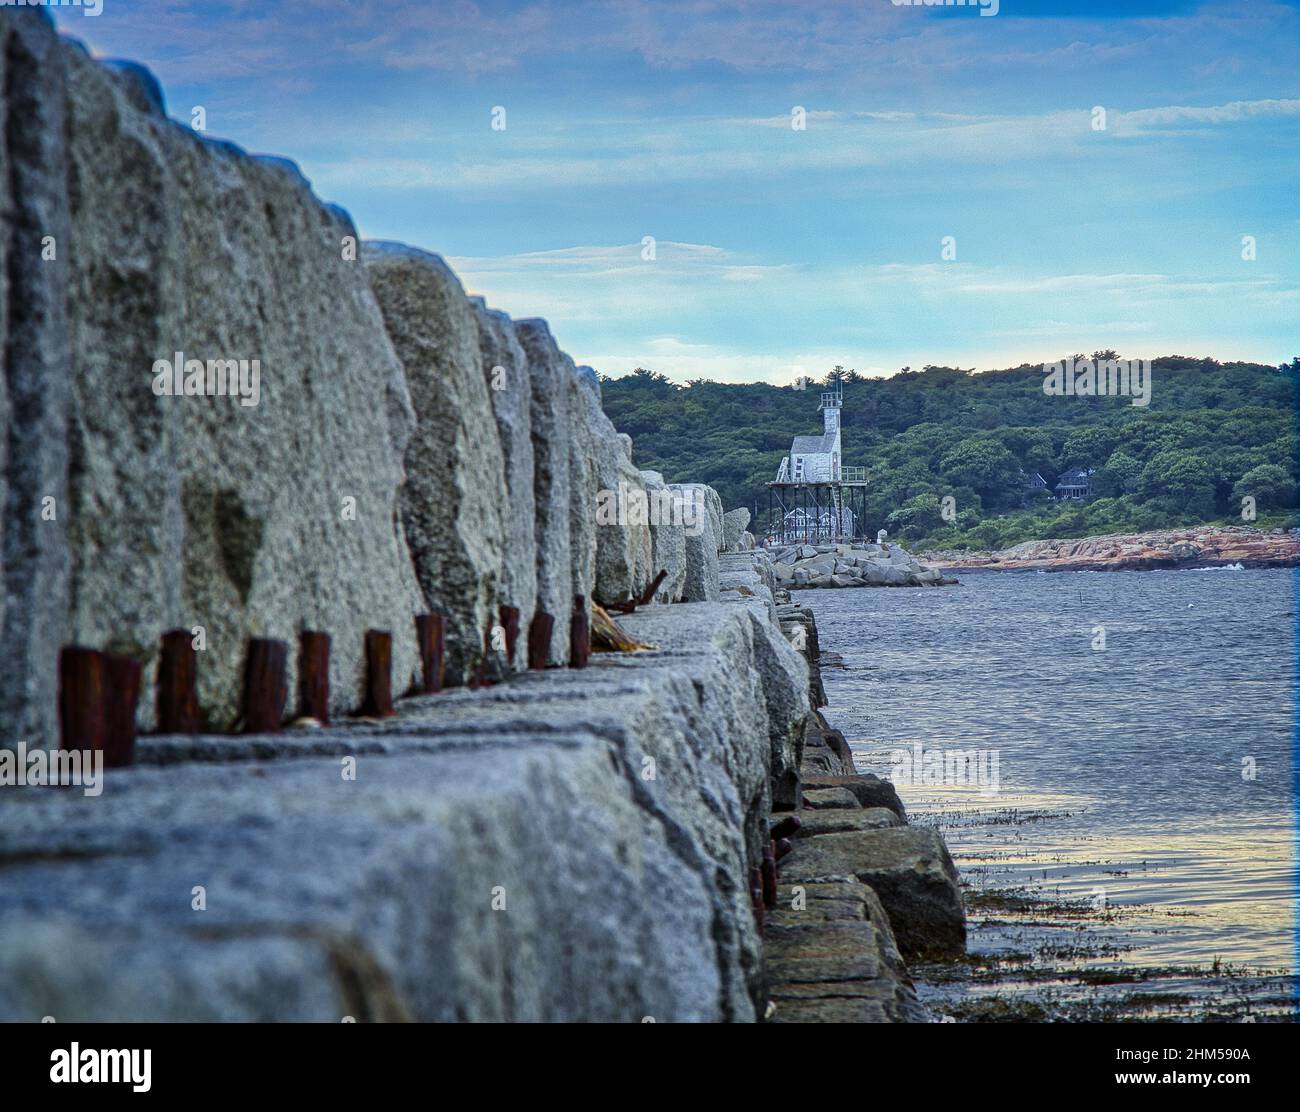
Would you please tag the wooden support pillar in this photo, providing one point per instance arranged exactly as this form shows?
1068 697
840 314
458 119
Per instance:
314 676
266 688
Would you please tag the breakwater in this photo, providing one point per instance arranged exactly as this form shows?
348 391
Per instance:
338 636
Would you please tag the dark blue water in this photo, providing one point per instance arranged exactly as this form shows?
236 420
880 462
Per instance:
1147 784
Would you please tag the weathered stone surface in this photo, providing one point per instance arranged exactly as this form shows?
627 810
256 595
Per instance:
510 389
836 960
588 451
34 383
870 790
533 791
284 510
845 820
550 378
667 537
620 509
451 505
701 544
734 524
910 870
822 799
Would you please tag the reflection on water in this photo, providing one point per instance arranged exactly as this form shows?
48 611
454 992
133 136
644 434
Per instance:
1142 831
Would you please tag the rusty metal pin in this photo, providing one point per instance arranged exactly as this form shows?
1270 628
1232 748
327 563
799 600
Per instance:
314 676
177 684
783 847
379 674
431 632
509 616
266 688
540 630
122 677
82 720
579 634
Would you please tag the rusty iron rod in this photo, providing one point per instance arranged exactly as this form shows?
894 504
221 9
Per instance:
540 630
510 623
579 634
314 676
379 674
122 677
82 720
431 632
266 688
177 684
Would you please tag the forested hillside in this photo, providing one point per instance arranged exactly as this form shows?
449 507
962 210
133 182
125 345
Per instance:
1213 434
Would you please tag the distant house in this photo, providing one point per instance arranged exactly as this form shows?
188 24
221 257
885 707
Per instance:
1074 485
1035 484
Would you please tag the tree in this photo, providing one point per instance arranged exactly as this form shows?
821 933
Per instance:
1181 481
986 466
1271 486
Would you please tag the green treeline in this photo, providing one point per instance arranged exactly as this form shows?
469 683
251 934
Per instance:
1213 434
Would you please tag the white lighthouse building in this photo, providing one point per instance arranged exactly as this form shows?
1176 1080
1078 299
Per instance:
816 459
810 498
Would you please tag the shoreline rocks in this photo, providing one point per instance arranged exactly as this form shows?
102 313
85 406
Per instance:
807 566
1197 547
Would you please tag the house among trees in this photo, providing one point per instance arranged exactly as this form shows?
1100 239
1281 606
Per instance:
1074 485
1035 486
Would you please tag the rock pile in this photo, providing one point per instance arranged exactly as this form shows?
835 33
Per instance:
801 566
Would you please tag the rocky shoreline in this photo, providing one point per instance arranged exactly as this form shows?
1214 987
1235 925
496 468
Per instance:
1168 548
803 567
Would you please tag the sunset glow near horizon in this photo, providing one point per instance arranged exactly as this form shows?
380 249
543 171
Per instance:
950 197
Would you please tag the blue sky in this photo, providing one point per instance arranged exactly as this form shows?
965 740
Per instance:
782 252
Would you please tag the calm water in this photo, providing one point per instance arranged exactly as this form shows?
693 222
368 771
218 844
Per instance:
1124 862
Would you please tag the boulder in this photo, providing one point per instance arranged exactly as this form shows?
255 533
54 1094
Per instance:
734 524
870 790
620 509
273 507
821 799
452 505
35 395
505 368
590 452
667 536
551 479
910 870
844 820
701 544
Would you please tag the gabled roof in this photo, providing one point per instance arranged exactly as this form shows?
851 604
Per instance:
813 445
1076 476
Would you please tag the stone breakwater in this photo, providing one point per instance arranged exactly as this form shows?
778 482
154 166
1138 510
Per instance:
539 839
1201 547
805 566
